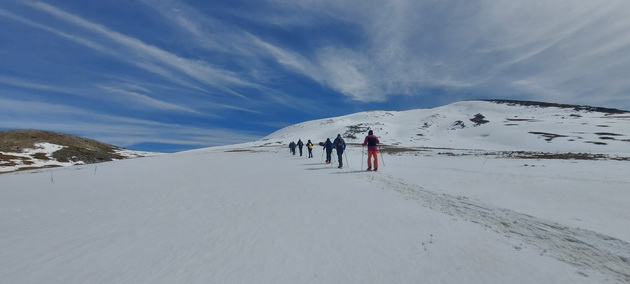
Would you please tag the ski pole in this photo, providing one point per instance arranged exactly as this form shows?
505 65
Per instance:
322 160
362 152
382 160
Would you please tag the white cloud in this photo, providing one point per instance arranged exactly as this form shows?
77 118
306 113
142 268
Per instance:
17 82
77 39
566 50
116 130
131 94
206 32
491 46
146 101
151 58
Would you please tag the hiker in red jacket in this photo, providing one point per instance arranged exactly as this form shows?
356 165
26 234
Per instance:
372 142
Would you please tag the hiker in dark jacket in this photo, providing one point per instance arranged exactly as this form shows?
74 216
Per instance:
292 147
328 146
372 142
309 146
300 144
340 145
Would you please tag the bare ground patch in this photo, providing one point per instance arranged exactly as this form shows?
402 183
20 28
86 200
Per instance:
535 155
596 143
548 136
10 160
607 134
242 151
37 168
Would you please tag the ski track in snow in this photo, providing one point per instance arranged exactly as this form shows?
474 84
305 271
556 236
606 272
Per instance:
584 249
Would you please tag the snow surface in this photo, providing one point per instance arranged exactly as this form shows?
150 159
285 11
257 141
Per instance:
254 213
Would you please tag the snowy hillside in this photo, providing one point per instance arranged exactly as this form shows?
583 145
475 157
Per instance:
254 213
484 125
27 149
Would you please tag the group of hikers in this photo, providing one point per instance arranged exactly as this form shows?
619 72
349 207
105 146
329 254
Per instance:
300 145
339 144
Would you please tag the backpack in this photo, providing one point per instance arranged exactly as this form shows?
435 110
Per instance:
339 142
371 141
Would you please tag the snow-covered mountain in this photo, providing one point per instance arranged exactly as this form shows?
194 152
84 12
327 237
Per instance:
471 125
485 125
26 149
254 213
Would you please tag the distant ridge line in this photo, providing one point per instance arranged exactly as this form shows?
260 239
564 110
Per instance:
543 104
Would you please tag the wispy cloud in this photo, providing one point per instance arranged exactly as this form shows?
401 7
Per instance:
68 36
405 47
146 101
195 74
113 129
217 36
488 45
148 57
128 95
204 31
18 82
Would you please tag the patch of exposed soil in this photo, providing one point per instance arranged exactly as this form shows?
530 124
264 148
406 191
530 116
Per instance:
75 149
574 107
242 151
607 134
548 136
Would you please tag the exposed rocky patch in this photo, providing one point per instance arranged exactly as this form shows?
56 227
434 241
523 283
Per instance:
30 149
479 119
575 107
548 136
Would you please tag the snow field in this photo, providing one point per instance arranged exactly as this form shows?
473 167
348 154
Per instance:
262 215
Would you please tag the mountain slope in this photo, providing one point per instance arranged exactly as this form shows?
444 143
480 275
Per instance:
252 214
485 125
31 149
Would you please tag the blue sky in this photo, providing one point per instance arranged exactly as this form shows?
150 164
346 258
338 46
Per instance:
171 75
